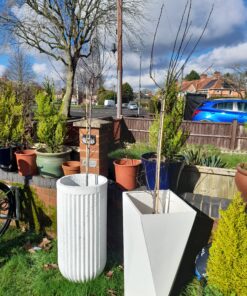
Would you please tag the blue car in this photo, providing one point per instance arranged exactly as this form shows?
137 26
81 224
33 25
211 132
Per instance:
221 110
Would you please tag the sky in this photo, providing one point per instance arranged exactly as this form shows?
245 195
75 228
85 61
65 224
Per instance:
223 46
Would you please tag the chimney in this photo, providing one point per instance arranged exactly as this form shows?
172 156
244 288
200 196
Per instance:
203 76
217 74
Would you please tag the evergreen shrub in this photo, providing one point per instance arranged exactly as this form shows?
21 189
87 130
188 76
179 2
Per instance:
174 136
51 128
11 117
227 265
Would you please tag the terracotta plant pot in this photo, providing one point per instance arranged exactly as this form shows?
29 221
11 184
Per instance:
71 167
26 162
241 180
126 172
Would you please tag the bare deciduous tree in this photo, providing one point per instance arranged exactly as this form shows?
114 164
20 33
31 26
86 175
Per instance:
64 29
90 71
19 68
237 81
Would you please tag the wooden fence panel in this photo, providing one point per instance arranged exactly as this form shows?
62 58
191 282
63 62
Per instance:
231 136
139 127
241 138
207 133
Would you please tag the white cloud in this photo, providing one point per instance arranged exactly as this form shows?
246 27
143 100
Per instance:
2 69
48 69
40 69
226 16
220 58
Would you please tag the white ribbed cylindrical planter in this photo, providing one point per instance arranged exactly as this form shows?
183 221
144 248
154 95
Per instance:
81 226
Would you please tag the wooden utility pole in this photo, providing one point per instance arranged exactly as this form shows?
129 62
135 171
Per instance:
119 56
140 82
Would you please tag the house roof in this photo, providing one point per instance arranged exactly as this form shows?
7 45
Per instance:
206 83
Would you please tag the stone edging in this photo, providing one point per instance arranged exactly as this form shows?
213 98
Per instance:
207 204
212 170
35 180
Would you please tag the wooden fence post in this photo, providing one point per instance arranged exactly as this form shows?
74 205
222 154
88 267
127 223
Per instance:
233 134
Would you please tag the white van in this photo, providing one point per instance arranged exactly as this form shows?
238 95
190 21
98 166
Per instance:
109 103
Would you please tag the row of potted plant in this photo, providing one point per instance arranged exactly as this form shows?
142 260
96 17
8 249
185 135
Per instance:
45 158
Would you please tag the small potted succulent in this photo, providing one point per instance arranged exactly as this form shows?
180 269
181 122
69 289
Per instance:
51 131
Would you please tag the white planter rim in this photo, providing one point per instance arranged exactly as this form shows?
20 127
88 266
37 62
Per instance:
75 182
167 199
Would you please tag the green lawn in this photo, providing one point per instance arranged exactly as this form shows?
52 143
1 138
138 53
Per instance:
137 149
24 273
133 151
232 160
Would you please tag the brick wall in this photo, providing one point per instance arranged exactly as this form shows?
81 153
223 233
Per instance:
37 198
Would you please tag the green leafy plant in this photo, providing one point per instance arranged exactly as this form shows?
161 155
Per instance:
200 288
194 288
213 161
174 136
204 156
11 116
51 129
227 264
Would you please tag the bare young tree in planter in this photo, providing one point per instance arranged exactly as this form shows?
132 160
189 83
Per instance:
88 195
152 218
166 132
64 30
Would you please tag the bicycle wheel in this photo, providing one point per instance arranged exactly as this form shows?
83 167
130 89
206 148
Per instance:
7 207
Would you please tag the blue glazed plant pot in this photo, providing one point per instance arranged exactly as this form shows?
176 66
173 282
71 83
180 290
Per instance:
170 171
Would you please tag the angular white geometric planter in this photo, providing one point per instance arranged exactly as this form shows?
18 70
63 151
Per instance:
153 243
81 226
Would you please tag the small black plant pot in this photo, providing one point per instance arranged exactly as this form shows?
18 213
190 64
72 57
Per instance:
170 171
8 158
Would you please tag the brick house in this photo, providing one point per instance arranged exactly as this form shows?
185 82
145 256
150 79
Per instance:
213 86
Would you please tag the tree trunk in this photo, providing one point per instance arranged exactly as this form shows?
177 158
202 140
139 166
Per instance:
69 89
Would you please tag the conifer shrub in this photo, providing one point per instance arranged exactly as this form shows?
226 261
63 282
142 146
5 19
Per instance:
11 117
227 265
51 127
174 136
